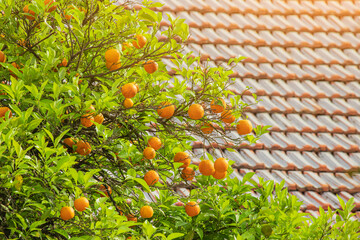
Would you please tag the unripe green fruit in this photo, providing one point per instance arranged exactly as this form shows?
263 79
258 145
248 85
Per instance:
266 230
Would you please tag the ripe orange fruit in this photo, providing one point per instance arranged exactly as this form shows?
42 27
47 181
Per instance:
182 157
3 112
206 167
69 16
50 5
99 118
91 109
63 63
67 213
207 128
192 209
103 189
221 165
219 175
112 56
137 86
128 103
140 41
166 110
196 111
2 57
87 120
146 212
244 127
188 174
126 46
151 66
15 65
129 90
27 10
81 204
218 105
149 153
83 148
113 66
69 142
151 177
155 143
21 42
131 217
227 117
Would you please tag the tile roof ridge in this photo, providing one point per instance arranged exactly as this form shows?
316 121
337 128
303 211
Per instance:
261 146
258 109
257 12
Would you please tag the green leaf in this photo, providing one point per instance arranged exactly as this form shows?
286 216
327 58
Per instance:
89 174
247 177
62 232
36 224
148 229
143 184
200 232
174 235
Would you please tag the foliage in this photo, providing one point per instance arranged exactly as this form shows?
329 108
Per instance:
60 72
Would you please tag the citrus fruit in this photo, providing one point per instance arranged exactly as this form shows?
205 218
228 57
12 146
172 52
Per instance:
15 65
91 109
112 56
67 213
184 158
188 174
137 86
151 177
196 111
113 66
50 7
227 117
192 209
3 112
155 143
126 46
207 128
218 105
2 57
81 204
266 230
140 41
206 167
129 90
87 120
63 63
151 66
149 153
18 182
166 110
219 175
83 148
221 165
128 103
105 191
29 13
131 217
146 212
69 16
99 118
244 127
69 142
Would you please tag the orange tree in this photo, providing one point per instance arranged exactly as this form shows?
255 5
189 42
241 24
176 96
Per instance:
92 122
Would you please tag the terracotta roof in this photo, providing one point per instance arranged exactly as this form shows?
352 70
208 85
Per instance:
303 62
